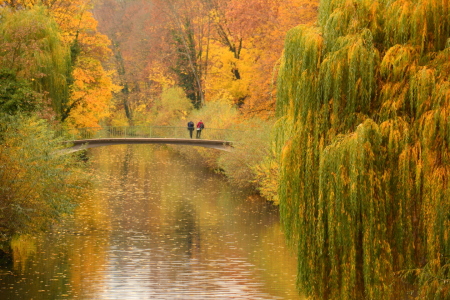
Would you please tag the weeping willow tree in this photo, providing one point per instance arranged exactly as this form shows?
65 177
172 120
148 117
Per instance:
32 48
363 139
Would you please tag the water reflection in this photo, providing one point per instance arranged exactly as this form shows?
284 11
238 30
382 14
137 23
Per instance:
158 227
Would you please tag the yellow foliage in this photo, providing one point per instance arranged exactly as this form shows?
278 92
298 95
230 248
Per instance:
221 83
159 76
172 106
92 90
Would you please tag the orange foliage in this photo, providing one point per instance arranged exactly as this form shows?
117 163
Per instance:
128 26
91 88
245 48
227 49
266 45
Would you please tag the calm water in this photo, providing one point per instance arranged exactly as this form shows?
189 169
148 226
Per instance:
156 227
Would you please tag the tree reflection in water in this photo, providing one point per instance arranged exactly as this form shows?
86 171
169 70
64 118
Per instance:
158 227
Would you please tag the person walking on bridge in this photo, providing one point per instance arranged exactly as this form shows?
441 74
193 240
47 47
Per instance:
200 127
190 127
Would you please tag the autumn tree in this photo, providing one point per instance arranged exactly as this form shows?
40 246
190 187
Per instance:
266 46
75 30
90 84
33 50
247 43
126 24
187 24
214 49
363 143
38 186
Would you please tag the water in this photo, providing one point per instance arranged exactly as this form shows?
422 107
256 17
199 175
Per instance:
156 226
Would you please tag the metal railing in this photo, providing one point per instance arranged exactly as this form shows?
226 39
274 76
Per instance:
142 132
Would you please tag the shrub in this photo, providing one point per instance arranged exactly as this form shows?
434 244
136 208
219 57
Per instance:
38 185
246 164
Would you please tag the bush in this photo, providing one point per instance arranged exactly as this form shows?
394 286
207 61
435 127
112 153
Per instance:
248 164
216 114
16 94
172 105
38 185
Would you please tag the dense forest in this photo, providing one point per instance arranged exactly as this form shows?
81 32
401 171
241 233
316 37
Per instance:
338 111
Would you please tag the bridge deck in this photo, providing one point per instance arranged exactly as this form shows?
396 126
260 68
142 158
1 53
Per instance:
92 143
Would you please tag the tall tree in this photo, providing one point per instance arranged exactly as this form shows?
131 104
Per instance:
32 48
214 49
90 84
75 31
187 24
252 32
125 23
363 142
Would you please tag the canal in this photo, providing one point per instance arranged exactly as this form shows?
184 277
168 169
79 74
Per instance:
156 226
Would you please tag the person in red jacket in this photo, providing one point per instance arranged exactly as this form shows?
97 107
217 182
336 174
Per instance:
200 127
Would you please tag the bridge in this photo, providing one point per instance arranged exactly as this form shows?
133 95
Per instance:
86 138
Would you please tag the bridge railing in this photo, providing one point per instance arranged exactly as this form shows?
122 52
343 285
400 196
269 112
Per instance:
143 132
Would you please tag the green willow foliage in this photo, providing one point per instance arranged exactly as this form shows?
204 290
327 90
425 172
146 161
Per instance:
16 95
363 139
38 185
31 47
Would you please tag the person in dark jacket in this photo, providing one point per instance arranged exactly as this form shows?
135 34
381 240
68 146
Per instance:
190 127
200 127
